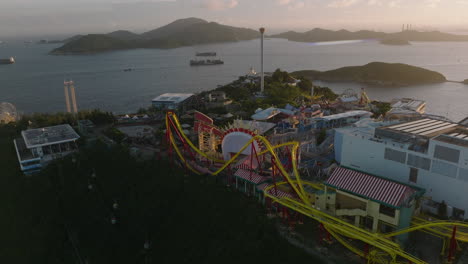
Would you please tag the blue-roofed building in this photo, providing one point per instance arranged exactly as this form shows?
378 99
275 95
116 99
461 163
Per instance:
37 147
171 101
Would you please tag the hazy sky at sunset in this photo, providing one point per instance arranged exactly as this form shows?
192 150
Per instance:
45 17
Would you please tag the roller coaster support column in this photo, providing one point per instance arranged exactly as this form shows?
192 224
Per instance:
366 252
168 140
324 235
453 245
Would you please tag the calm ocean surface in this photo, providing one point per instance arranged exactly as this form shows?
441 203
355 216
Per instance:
35 82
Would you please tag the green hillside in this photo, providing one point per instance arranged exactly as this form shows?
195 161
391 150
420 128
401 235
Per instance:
377 73
93 43
183 32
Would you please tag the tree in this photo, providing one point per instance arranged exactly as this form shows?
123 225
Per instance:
305 85
280 76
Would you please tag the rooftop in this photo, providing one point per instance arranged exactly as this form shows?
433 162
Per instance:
49 135
259 126
270 113
410 104
458 137
426 127
173 97
370 187
356 113
464 122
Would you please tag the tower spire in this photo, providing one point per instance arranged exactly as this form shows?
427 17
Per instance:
262 80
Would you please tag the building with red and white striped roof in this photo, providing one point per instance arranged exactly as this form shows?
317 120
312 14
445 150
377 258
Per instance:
363 199
370 187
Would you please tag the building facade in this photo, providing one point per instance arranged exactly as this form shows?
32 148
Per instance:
429 153
37 147
368 201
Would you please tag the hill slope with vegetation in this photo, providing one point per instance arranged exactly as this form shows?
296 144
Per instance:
186 219
182 32
377 73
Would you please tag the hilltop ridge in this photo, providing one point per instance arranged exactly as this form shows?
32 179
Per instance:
182 32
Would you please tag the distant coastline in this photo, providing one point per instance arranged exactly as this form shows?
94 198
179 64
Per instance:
395 42
397 38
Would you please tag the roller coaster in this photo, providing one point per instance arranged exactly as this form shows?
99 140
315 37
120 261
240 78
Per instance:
378 247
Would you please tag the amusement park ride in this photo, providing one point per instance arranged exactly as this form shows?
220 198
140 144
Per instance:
272 172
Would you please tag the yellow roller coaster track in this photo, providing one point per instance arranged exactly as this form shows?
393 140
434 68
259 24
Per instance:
384 249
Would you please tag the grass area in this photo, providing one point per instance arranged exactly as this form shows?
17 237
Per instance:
186 219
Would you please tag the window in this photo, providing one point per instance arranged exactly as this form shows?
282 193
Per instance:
395 155
387 210
463 174
419 162
413 175
447 154
444 168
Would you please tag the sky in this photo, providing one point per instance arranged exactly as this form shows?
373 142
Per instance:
38 18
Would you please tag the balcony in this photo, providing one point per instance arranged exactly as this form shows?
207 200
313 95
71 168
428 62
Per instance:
351 212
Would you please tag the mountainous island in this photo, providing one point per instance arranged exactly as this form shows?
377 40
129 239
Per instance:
182 32
380 73
398 38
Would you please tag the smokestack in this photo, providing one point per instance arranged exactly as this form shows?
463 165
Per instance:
67 98
73 97
262 81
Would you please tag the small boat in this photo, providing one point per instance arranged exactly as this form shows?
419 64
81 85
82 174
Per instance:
11 60
206 54
128 69
206 62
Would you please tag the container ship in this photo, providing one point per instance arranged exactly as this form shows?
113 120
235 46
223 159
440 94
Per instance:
206 54
205 62
11 60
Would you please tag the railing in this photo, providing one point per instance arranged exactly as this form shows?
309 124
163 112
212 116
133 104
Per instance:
350 212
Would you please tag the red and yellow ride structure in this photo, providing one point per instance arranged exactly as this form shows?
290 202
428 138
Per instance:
378 247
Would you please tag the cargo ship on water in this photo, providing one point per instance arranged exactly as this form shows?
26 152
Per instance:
206 54
11 60
205 62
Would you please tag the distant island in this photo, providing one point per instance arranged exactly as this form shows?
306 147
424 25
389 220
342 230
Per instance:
398 38
182 32
395 41
380 73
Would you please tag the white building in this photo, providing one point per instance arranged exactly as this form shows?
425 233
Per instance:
429 153
37 147
171 100
406 107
